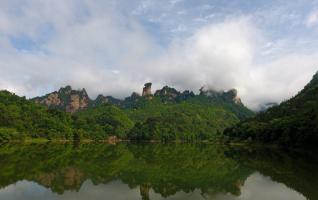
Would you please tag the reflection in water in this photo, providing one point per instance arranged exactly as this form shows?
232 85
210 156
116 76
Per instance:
153 171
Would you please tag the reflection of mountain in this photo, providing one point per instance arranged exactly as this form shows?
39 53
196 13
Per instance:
164 169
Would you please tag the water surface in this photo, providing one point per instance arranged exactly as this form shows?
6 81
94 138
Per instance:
154 171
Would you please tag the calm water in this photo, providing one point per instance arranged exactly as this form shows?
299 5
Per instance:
153 171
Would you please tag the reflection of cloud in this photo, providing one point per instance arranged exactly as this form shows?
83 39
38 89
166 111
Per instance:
260 187
256 186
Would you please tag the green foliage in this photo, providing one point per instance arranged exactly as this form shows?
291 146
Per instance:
184 121
186 117
292 123
196 118
102 121
20 118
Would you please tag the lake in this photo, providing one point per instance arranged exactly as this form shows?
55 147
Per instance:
154 171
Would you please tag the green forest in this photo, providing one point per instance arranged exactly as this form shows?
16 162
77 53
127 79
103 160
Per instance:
198 117
292 123
168 115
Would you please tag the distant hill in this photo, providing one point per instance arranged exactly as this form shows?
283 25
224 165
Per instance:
292 123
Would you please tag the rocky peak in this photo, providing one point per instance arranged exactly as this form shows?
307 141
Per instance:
168 94
146 91
65 98
167 91
101 99
185 95
230 95
66 90
135 95
83 92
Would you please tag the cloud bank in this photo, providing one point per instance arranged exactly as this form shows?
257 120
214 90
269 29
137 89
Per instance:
49 44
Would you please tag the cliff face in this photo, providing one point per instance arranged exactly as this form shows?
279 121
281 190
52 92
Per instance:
72 101
66 98
147 89
77 101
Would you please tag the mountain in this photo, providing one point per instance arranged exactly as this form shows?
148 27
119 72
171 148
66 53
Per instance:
22 119
293 123
167 114
72 101
172 115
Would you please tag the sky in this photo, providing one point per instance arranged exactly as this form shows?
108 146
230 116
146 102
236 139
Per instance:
266 49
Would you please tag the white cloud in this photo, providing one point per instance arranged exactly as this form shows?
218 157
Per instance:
312 19
223 56
96 47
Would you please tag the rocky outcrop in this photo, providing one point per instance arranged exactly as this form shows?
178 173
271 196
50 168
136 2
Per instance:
66 98
147 89
52 99
101 99
185 95
230 95
77 101
171 95
167 91
72 101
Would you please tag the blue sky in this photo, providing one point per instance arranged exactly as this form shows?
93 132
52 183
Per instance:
268 50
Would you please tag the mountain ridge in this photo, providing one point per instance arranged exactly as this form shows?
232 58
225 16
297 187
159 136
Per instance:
71 100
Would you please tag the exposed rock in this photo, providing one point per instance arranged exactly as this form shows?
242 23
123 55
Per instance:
66 90
78 100
147 90
72 101
185 95
171 95
105 100
230 95
73 104
52 99
66 99
167 91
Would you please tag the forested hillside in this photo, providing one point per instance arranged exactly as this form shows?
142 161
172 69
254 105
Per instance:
292 123
165 115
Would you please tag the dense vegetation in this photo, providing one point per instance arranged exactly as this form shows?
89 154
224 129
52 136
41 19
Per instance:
163 116
292 123
20 118
183 121
102 121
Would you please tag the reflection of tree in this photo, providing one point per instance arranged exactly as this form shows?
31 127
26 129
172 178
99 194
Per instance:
144 191
166 169
295 169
